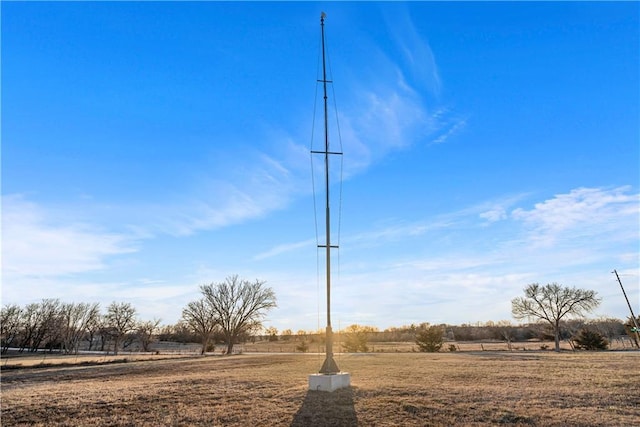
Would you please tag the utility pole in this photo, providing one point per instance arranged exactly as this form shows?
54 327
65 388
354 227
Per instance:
633 316
330 377
329 366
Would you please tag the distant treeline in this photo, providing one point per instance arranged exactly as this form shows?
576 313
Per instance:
609 328
70 327
505 331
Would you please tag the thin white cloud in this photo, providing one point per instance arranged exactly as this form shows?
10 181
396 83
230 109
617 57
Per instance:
398 231
382 115
494 215
284 248
583 212
417 55
446 130
35 245
489 211
152 300
496 210
225 204
247 190
392 104
475 279
384 118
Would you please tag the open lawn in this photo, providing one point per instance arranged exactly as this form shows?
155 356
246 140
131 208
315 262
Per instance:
404 389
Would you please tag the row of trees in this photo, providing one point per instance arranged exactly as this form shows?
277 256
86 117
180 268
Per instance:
229 310
52 324
590 334
504 330
232 311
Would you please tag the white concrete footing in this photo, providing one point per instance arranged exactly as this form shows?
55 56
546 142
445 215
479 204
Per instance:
329 382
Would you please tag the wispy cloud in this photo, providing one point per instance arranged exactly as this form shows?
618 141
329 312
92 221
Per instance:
417 55
387 118
284 248
585 232
380 115
498 209
447 129
36 245
46 254
502 252
249 189
488 211
585 213
389 232
495 214
393 104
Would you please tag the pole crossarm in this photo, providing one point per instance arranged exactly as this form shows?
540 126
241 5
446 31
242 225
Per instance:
326 152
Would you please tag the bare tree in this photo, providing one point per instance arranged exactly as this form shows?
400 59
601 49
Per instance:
239 305
569 329
201 319
286 334
93 329
272 333
29 323
609 327
145 332
76 320
39 321
10 325
104 331
121 319
356 337
553 302
504 330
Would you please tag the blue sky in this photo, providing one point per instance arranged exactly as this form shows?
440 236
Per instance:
149 148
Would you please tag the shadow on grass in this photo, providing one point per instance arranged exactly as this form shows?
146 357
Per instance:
321 408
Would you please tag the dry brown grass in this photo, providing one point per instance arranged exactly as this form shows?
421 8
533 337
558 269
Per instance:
410 389
26 360
403 347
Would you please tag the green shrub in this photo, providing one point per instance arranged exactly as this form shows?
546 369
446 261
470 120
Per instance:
303 347
588 339
356 337
430 338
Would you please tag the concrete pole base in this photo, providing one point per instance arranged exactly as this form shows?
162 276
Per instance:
329 382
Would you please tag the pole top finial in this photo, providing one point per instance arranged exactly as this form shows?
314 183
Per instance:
322 16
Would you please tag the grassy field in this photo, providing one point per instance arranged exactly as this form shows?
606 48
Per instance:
404 389
403 347
46 359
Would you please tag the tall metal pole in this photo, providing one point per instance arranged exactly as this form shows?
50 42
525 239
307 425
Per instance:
329 366
633 316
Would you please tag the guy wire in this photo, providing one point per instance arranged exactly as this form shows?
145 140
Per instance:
313 186
335 109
